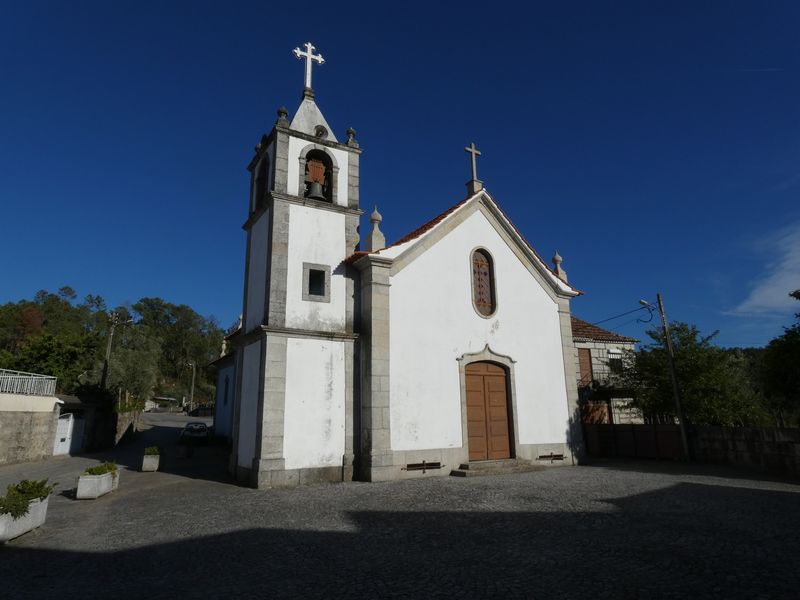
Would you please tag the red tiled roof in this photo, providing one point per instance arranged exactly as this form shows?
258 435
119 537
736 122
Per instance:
583 330
422 229
410 236
427 226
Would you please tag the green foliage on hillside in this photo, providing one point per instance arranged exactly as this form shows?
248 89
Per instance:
54 334
715 384
718 386
781 368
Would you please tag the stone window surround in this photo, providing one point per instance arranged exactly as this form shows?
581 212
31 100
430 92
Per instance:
489 355
307 268
491 278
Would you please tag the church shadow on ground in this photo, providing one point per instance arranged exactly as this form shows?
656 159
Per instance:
687 540
206 461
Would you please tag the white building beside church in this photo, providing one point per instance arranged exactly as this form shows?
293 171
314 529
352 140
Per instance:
359 359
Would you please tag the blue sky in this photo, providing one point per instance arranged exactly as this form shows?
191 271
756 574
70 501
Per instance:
656 145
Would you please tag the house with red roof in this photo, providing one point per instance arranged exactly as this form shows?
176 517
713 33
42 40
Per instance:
601 358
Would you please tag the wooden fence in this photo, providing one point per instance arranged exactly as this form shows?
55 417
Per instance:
768 449
633 441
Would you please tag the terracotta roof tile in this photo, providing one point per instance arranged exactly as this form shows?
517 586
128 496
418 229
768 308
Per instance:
424 228
583 330
427 226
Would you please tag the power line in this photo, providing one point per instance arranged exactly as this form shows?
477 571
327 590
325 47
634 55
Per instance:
622 315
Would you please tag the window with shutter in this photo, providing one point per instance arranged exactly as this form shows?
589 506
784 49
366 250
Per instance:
585 363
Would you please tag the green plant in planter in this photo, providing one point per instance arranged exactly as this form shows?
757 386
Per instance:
153 451
19 495
107 467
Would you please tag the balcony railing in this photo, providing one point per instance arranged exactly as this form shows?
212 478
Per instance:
32 384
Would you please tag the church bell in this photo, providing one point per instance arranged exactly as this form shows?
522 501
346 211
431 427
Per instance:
315 177
315 191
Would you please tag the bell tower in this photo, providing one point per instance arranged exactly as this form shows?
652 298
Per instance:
296 355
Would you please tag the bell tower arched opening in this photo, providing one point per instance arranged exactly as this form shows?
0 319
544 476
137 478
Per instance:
318 177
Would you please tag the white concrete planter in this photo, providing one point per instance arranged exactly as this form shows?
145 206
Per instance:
94 486
150 462
11 527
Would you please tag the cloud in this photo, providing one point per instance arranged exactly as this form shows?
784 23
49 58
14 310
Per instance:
770 293
786 184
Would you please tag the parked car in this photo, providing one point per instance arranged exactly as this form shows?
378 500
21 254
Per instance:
194 432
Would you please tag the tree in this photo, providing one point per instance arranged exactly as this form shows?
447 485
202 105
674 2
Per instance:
54 335
65 357
781 375
713 382
134 363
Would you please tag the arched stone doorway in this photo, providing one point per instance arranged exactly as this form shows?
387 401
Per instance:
488 411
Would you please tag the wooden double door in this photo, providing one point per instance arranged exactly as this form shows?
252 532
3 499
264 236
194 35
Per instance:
487 412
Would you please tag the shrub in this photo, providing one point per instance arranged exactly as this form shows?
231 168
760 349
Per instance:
107 467
152 450
18 496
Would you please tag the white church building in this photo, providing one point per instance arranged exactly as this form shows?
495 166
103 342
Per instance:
359 359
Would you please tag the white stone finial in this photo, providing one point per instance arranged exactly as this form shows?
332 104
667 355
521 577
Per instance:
560 273
309 57
376 240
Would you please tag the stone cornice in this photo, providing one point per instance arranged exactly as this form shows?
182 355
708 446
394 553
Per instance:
300 201
309 333
264 330
322 142
373 260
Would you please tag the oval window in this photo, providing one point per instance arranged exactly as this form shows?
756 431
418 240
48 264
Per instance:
483 296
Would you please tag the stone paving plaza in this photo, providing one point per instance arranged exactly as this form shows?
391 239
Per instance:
613 530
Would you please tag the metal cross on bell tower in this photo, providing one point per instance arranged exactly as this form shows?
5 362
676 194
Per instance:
474 185
309 57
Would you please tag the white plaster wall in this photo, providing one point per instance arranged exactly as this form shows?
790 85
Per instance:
433 323
248 409
223 411
296 146
26 403
315 404
257 272
315 236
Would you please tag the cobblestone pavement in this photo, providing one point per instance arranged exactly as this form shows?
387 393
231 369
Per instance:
613 530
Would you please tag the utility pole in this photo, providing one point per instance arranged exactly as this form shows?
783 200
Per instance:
674 378
112 325
191 391
114 321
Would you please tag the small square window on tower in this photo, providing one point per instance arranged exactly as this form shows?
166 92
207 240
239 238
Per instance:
316 282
